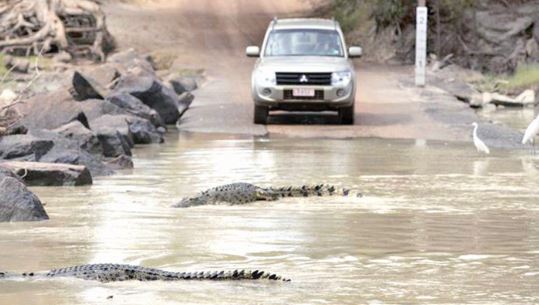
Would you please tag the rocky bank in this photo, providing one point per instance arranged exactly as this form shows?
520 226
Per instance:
86 126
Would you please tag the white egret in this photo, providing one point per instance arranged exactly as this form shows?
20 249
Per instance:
479 144
531 132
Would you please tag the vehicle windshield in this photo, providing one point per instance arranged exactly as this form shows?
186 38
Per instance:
301 42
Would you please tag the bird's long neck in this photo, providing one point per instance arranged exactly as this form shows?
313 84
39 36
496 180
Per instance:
475 131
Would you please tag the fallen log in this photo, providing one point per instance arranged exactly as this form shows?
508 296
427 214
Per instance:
49 174
527 98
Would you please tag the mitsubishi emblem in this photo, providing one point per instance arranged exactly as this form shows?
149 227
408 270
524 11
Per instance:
303 79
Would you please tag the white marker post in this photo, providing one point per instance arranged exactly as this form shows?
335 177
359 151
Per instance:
421 44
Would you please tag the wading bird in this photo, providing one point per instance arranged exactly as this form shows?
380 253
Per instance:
531 132
479 144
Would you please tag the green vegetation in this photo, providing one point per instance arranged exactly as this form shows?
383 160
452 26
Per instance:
45 63
525 77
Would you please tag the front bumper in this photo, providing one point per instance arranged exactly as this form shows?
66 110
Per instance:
326 98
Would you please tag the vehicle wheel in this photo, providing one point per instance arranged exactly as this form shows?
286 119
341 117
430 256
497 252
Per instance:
261 114
346 114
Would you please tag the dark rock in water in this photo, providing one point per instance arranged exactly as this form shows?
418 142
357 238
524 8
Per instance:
27 146
50 174
86 139
113 134
86 88
114 144
184 101
78 157
135 130
68 150
152 93
121 162
144 132
17 203
114 124
136 107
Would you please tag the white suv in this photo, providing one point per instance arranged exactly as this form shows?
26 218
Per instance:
304 66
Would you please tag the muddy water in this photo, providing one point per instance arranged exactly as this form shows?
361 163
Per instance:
438 224
517 118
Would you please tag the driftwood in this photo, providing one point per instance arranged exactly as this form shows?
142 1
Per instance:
75 26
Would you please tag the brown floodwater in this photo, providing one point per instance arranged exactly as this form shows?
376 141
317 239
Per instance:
439 224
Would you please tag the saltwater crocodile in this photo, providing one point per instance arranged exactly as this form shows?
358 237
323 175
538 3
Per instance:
242 193
116 272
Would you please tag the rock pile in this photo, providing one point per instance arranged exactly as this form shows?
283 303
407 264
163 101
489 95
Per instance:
88 129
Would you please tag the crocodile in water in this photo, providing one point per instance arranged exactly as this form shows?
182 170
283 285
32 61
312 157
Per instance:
117 272
242 193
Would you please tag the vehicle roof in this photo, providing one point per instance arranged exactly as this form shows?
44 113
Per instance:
305 23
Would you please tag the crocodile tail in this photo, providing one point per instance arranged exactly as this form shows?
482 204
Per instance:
230 275
310 191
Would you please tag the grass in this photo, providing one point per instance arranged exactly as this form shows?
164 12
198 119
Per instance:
45 63
525 77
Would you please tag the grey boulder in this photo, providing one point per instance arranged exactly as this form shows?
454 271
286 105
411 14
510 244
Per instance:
87 140
113 134
51 110
17 203
24 146
151 92
85 87
134 106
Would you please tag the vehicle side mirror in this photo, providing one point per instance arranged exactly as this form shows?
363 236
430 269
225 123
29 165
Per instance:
355 52
252 51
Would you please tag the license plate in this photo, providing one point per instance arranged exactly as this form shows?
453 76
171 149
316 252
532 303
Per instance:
303 92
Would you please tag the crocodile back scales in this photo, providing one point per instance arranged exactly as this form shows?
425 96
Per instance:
120 272
242 193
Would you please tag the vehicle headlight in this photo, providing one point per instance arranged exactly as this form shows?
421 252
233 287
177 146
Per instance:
341 78
265 78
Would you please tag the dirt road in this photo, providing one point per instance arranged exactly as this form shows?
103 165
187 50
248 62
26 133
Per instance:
213 34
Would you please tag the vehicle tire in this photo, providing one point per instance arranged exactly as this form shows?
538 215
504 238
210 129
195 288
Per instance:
346 115
261 114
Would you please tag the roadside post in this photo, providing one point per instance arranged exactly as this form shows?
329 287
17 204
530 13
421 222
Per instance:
421 43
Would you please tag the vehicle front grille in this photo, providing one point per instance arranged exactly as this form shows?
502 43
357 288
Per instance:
289 95
304 79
